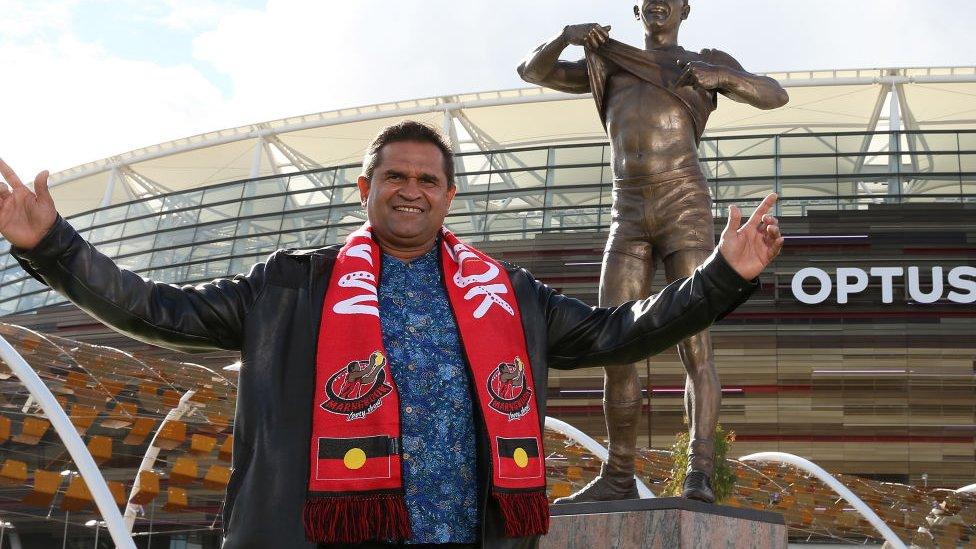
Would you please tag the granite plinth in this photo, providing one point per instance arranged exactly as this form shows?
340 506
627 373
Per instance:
661 522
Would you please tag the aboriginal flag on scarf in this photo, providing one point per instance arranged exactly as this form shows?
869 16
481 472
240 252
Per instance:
355 489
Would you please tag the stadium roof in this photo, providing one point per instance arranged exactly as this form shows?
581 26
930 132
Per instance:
820 101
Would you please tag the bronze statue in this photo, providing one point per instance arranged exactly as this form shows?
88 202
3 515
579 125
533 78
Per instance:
654 104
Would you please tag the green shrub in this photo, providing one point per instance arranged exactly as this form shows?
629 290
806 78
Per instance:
723 479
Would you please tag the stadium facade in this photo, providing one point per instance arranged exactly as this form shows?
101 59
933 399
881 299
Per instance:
858 353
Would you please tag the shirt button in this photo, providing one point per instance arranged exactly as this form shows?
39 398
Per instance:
412 330
409 409
411 367
406 455
409 294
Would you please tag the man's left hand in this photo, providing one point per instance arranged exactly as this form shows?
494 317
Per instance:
748 249
703 75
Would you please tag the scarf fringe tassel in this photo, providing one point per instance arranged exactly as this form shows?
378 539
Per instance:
525 513
355 519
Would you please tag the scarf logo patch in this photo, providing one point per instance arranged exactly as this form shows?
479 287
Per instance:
467 261
357 390
508 391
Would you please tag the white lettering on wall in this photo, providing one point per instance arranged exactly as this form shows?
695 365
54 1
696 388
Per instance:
850 281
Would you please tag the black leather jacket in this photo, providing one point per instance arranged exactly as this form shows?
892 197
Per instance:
271 315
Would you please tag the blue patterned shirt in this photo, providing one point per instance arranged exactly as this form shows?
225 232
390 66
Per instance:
436 417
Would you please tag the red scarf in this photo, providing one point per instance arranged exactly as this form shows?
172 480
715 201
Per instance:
355 487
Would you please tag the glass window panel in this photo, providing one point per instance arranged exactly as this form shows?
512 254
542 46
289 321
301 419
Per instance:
247 227
215 231
578 155
183 218
932 185
348 194
81 222
506 226
31 285
8 307
108 232
53 298
140 226
574 218
111 215
933 142
171 275
708 148
967 141
33 301
847 144
243 265
577 176
520 200
211 250
178 237
967 162
821 165
517 180
347 214
933 162
465 224
11 273
300 221
315 180
265 187
745 190
11 290
348 176
111 249
143 208
521 159
471 163
298 239
807 144
217 269
254 244
217 213
573 197
138 244
162 258
809 188
134 262
223 193
764 146
258 206
182 200
196 272
476 180
867 165
762 167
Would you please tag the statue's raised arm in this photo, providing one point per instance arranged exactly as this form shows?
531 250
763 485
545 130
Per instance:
543 67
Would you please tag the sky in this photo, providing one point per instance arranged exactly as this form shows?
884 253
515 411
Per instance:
82 80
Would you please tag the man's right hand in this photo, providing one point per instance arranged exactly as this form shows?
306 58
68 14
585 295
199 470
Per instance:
588 35
25 217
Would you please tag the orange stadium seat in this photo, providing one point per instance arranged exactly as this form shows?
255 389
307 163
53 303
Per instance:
202 444
100 448
184 471
46 484
77 496
216 478
226 448
148 488
175 499
32 430
118 492
5 424
13 472
171 435
140 428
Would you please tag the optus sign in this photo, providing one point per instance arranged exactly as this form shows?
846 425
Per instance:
958 287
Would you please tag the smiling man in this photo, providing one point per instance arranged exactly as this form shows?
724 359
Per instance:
654 104
392 389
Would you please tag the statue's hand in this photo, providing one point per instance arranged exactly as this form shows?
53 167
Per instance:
588 35
750 248
703 75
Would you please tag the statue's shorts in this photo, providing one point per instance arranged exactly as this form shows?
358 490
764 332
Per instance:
661 214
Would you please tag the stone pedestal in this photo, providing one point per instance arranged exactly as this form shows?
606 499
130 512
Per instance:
662 522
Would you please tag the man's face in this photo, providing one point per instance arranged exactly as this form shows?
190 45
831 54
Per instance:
663 14
408 196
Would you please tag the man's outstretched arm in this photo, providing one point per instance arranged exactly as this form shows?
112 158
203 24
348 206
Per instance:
722 73
583 336
544 68
204 317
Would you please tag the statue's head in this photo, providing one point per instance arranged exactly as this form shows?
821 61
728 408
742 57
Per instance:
658 15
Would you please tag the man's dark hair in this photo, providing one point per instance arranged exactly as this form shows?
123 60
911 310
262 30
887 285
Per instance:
408 130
